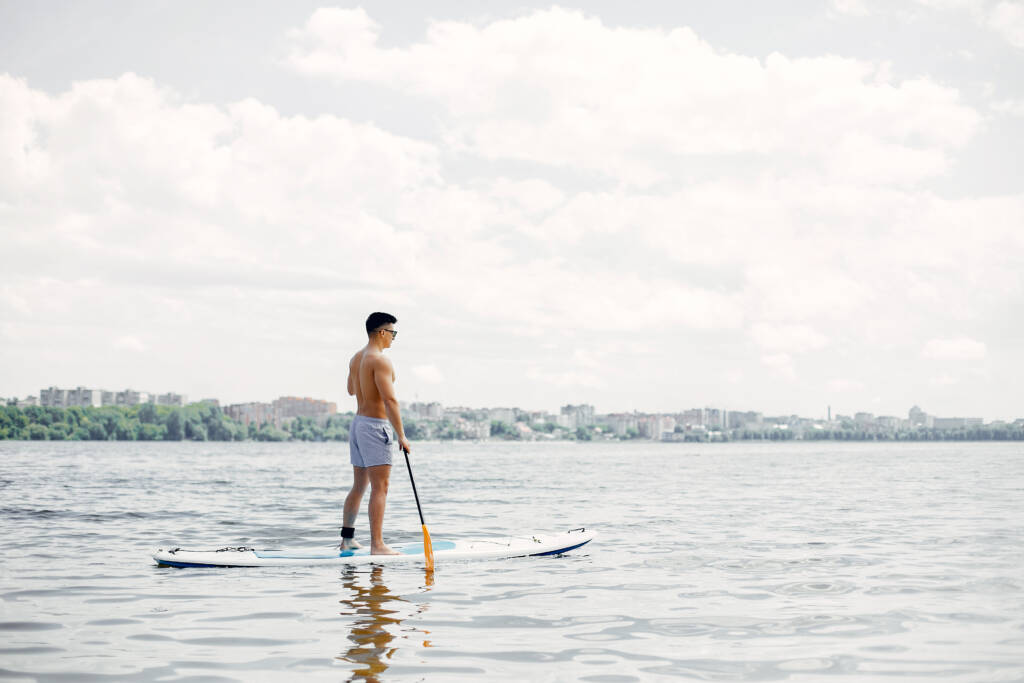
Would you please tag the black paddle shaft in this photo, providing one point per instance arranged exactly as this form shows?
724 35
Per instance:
415 495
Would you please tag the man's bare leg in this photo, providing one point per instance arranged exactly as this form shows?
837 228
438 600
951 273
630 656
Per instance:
360 478
379 475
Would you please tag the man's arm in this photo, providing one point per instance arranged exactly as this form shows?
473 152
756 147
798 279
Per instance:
382 374
352 369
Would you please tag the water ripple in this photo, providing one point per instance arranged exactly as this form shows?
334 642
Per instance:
738 562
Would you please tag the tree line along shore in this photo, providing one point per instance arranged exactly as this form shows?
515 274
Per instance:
207 422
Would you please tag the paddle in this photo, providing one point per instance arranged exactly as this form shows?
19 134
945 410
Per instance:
428 550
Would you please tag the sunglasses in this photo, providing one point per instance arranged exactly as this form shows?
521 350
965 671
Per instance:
394 333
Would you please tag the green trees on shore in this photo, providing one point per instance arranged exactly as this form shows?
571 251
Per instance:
207 422
148 422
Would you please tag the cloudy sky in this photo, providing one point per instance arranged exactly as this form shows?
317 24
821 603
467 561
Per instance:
655 206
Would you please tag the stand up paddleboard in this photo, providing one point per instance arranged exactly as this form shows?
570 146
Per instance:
409 553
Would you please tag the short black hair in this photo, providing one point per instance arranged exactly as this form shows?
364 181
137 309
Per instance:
378 320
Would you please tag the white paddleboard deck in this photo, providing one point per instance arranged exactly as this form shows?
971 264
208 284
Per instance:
409 553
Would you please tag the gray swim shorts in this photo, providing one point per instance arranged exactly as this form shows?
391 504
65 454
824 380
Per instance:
371 441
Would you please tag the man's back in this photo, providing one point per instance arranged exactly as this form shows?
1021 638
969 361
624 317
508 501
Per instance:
362 371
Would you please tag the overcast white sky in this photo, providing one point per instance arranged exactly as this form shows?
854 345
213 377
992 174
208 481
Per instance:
655 206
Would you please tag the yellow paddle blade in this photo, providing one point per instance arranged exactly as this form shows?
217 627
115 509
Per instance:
428 550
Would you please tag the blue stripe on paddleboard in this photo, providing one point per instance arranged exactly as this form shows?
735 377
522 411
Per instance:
561 550
417 548
404 549
183 565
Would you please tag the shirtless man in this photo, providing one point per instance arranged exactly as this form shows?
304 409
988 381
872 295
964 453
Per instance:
375 429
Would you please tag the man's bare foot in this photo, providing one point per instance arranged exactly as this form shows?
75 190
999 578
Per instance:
383 550
349 544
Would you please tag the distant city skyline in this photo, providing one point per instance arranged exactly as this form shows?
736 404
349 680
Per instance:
284 406
91 414
633 205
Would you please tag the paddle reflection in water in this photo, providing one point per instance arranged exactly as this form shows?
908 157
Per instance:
378 615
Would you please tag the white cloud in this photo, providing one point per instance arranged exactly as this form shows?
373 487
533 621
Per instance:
781 366
852 7
561 88
953 4
865 160
114 156
130 343
293 216
428 373
1004 18
1007 19
10 299
840 385
734 376
759 209
1009 107
792 338
567 379
956 348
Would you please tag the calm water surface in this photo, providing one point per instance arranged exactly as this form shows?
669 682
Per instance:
724 562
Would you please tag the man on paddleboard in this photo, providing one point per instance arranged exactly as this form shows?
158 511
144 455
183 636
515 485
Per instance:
375 430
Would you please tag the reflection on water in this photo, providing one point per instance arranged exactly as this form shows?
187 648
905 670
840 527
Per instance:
379 614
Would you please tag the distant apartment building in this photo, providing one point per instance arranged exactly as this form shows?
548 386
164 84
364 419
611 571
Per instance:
957 422
53 397
693 417
745 420
456 413
255 413
280 411
712 418
574 417
540 417
288 407
665 426
715 418
622 423
506 415
130 397
65 398
889 423
81 396
649 426
426 411
919 418
476 429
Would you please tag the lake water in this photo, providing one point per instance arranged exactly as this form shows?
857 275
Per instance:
724 562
